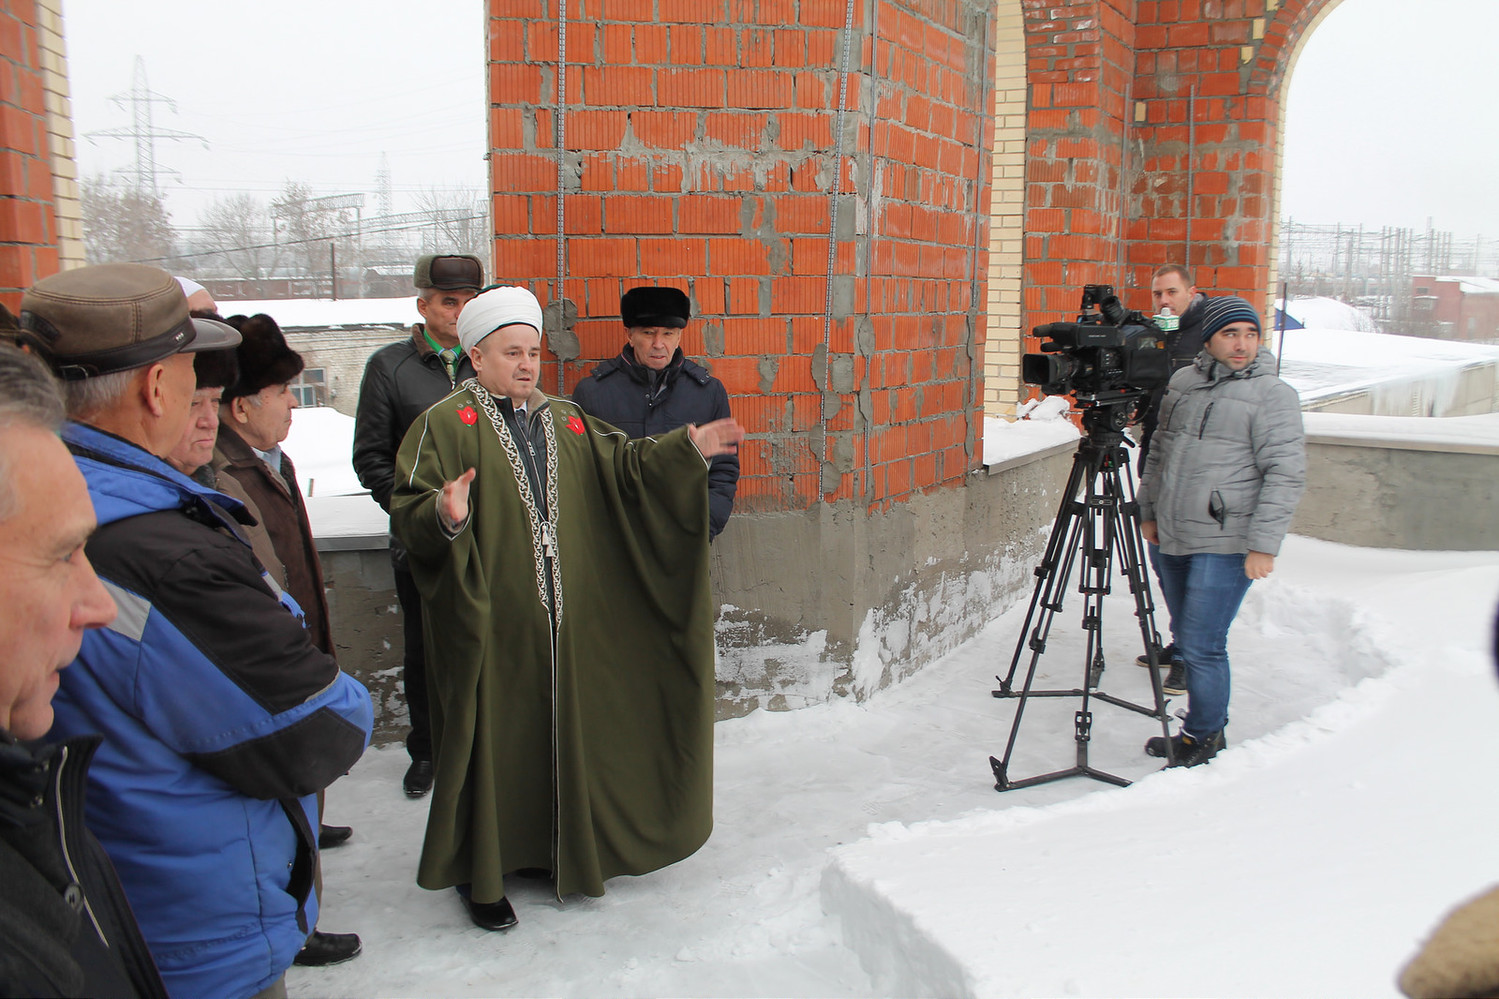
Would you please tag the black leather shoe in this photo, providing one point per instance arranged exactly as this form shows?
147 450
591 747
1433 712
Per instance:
491 915
418 779
330 836
323 949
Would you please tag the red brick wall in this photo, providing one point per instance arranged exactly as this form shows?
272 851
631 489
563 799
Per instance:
28 230
701 152
1110 96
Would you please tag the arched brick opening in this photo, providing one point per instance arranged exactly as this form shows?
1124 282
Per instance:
1155 141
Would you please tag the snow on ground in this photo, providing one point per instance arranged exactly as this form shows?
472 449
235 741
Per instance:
321 444
1326 314
1309 859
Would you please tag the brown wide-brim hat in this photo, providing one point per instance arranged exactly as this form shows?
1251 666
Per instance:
98 320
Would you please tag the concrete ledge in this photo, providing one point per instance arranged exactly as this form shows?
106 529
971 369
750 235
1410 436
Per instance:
835 601
1402 482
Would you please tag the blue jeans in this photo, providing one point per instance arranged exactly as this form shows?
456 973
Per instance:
1203 593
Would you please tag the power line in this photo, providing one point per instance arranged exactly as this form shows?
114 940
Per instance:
141 97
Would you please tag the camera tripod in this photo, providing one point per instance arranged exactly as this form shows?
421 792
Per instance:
1098 519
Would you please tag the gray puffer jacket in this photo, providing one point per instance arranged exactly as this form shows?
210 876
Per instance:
1227 465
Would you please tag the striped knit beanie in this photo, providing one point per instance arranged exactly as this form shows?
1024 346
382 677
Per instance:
1220 312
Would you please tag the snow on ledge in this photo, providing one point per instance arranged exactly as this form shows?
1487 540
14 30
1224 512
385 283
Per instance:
1042 428
1468 434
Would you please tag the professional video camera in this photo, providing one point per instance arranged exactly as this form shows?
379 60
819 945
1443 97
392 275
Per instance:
1108 357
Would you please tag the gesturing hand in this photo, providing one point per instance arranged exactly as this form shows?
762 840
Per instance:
718 437
452 499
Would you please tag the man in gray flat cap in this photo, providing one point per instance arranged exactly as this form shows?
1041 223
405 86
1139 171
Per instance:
221 720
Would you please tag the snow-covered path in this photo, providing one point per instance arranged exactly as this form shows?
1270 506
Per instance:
744 916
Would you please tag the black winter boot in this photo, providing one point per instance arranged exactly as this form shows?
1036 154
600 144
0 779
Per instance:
1187 751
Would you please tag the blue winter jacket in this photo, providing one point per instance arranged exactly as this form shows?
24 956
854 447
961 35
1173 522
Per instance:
220 722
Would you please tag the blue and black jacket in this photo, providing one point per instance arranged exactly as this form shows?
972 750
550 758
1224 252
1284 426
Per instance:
220 720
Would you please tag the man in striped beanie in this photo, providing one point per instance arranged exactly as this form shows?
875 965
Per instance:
1224 475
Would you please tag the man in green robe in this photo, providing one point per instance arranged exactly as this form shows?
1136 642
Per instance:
563 570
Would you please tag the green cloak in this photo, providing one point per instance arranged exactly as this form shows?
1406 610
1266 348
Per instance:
591 755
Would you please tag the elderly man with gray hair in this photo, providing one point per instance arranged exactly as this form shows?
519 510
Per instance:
65 926
221 720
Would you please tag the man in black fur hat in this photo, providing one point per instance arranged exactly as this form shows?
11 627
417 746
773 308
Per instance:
254 418
650 387
400 382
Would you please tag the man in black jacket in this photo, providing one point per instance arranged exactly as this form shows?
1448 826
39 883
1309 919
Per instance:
651 388
1171 288
65 926
400 382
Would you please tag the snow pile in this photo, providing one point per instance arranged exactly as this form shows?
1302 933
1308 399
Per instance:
1040 425
1328 314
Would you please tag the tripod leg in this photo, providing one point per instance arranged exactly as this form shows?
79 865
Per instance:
1131 548
1045 592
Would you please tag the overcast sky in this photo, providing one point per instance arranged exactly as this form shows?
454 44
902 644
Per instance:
313 91
1390 107
1391 117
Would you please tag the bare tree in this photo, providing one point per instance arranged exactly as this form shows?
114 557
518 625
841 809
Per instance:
307 225
459 221
238 230
123 224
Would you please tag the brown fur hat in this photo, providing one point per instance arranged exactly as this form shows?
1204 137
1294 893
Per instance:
264 358
1461 960
214 368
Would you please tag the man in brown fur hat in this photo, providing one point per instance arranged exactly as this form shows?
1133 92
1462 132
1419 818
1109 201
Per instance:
254 418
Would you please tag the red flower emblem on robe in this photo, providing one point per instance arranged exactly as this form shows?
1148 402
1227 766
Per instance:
468 415
575 425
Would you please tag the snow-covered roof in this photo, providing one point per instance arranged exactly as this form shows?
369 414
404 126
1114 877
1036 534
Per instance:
321 313
1474 285
1323 362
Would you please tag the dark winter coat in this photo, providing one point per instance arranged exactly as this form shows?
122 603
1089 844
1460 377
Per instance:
277 501
220 721
65 926
647 403
1182 346
1229 461
401 381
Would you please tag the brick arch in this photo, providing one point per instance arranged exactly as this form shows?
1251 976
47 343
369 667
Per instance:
1155 140
1292 24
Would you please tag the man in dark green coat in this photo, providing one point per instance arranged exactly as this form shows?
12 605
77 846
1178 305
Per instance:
563 570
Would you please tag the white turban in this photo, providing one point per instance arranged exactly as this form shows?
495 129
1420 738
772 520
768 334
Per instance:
483 314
